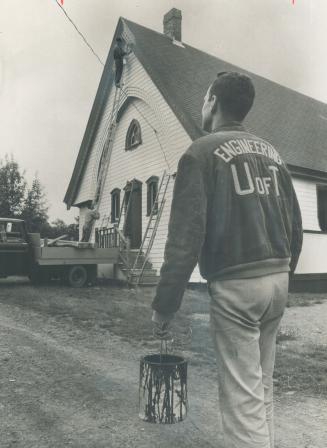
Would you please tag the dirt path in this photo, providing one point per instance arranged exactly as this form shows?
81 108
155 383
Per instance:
69 373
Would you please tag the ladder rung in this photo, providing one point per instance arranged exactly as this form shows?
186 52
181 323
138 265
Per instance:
152 227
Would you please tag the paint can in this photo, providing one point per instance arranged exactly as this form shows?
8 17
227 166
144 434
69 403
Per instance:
163 389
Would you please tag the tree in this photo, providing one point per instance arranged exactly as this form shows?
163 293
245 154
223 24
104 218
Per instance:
59 227
35 209
30 204
12 188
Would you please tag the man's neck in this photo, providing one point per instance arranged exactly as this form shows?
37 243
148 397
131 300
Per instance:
218 124
219 120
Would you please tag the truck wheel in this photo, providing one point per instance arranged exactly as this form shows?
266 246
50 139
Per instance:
77 276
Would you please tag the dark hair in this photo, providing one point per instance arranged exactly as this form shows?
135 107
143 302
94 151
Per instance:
235 93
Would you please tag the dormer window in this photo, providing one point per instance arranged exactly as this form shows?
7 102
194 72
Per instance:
133 136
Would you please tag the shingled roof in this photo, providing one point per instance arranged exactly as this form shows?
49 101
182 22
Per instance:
294 123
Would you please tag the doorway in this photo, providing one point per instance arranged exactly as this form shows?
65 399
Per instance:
133 210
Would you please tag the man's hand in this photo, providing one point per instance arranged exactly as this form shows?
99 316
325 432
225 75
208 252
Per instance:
162 322
129 49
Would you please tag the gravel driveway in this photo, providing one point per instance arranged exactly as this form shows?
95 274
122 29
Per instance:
70 371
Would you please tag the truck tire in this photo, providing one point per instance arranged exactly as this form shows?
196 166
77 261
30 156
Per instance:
77 276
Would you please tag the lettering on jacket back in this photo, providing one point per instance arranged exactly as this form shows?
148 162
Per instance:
263 185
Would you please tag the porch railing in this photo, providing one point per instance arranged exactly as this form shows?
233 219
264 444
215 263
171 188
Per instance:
110 237
106 237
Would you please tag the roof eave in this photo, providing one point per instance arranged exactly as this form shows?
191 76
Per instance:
307 173
92 124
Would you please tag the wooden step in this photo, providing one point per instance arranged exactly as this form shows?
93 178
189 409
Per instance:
149 277
137 272
146 280
139 265
131 261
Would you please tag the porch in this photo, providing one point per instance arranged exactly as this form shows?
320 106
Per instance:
131 265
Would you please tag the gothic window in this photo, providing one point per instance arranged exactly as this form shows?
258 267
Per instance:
133 136
115 205
322 207
152 191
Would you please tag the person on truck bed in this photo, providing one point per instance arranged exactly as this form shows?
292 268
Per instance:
90 217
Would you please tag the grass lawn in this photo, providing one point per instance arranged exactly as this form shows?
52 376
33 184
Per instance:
301 365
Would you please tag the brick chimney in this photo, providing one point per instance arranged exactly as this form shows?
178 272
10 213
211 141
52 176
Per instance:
172 23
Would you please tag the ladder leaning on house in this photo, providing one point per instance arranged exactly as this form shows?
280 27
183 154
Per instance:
106 153
141 260
107 149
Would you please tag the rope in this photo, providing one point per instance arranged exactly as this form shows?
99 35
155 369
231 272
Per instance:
79 32
123 91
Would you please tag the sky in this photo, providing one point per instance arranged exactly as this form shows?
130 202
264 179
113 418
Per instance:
49 77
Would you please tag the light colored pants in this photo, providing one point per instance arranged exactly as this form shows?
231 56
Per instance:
244 317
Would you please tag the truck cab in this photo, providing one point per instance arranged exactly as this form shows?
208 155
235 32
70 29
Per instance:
15 252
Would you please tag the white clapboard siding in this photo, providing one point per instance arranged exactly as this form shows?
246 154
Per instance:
149 159
87 186
306 192
313 258
172 135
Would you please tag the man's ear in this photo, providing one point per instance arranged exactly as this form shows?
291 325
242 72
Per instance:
214 104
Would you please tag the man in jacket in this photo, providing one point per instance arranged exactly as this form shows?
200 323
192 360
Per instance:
234 211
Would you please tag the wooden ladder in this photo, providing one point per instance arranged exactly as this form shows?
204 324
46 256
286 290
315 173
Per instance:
106 153
107 150
151 230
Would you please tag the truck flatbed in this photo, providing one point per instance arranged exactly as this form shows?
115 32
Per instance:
73 262
47 256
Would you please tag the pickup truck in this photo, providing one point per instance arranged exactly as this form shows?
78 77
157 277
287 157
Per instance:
24 254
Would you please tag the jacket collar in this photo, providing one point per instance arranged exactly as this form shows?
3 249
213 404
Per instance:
230 126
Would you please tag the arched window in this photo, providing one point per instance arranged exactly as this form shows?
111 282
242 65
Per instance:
133 136
152 192
115 204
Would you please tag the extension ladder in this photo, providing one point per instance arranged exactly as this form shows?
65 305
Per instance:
106 153
107 149
151 230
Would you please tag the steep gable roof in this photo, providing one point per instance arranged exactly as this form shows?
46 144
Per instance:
294 123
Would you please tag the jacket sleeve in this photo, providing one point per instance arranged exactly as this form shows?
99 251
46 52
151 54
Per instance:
186 232
297 234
